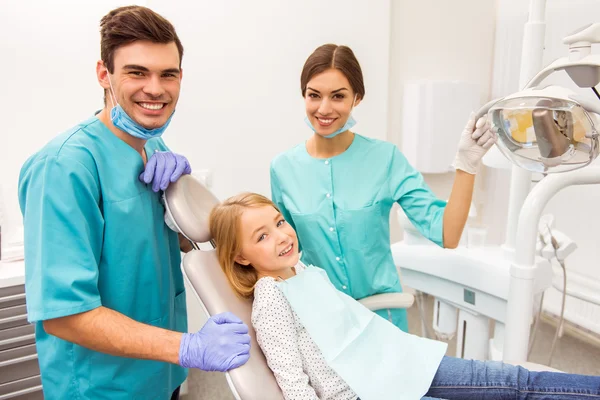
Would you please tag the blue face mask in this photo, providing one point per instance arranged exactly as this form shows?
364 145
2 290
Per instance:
124 122
348 125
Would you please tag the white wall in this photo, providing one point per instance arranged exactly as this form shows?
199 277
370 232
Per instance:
49 50
240 103
438 40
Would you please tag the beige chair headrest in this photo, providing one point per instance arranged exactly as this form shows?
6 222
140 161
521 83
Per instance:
188 203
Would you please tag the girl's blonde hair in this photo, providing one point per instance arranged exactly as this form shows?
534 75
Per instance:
224 224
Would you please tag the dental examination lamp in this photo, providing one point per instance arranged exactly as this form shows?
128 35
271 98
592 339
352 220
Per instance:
551 129
544 129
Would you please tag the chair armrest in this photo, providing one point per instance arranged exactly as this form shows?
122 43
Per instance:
388 300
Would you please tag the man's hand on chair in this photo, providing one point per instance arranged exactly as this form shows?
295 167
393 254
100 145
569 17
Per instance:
164 168
222 344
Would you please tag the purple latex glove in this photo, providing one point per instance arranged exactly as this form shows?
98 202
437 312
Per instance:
163 168
222 344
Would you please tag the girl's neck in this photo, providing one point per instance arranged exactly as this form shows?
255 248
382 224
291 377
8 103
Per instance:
284 273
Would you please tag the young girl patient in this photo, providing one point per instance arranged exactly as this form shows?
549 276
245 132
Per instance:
256 247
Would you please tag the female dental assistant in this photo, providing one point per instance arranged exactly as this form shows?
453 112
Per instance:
337 189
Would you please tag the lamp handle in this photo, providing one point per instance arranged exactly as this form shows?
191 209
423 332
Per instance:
584 36
486 107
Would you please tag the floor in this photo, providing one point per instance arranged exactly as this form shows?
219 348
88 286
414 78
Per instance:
571 355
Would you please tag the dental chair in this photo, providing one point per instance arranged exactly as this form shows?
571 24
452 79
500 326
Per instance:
188 204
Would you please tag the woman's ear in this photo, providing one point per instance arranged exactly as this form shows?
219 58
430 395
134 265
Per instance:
241 260
357 101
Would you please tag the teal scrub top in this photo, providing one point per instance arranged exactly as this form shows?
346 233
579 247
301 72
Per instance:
95 236
340 208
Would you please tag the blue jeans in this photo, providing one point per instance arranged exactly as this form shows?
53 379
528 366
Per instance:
461 379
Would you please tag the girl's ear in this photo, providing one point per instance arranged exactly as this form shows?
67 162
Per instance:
241 260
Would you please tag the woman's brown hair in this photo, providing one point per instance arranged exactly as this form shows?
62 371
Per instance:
330 56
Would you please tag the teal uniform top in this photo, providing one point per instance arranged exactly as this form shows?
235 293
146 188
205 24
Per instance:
340 208
95 236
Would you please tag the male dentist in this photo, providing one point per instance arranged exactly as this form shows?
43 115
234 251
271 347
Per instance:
103 279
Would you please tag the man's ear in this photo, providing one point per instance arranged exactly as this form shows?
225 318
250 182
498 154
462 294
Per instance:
241 260
102 75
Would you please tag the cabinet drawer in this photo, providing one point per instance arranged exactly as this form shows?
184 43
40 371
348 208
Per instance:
12 290
13 311
11 317
19 368
26 394
12 296
22 387
17 352
13 322
17 337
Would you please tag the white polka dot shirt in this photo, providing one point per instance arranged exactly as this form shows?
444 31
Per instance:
296 361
